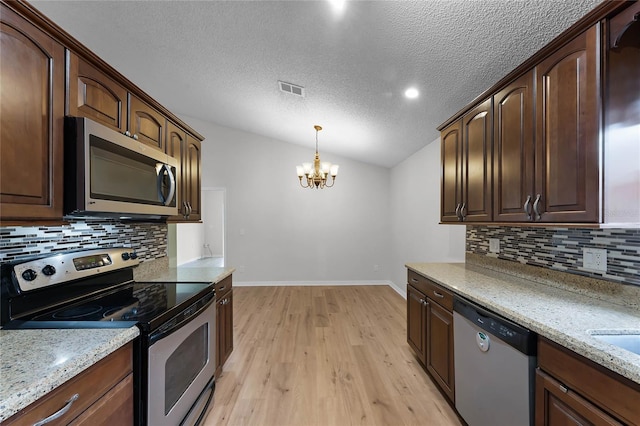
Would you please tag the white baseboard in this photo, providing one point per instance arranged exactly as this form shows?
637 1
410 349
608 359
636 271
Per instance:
317 284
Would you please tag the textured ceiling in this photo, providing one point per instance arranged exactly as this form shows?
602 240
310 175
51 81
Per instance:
220 61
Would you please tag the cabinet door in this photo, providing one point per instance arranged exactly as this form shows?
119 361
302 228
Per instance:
558 406
224 330
476 164
228 332
176 146
451 173
147 123
440 346
192 177
513 165
416 321
567 132
31 114
93 95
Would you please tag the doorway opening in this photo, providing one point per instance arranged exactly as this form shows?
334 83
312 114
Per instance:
213 218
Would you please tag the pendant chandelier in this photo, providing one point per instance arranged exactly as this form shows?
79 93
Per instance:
316 175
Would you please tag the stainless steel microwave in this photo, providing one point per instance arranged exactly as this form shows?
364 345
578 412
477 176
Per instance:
110 174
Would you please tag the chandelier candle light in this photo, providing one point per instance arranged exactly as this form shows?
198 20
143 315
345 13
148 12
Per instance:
316 174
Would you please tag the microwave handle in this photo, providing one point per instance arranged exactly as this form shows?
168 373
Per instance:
172 184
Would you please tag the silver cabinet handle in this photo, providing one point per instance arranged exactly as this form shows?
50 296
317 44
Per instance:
135 136
190 209
536 207
185 210
61 412
426 302
127 133
463 210
421 301
415 280
458 212
527 207
440 295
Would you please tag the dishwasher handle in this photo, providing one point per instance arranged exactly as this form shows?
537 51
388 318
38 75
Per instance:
513 334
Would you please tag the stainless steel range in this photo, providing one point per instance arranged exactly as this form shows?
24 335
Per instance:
174 357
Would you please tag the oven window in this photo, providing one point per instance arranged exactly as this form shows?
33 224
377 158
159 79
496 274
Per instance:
184 364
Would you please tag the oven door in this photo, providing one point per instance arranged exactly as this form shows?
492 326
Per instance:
181 367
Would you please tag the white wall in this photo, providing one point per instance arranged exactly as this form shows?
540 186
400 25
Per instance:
416 235
188 240
277 231
213 220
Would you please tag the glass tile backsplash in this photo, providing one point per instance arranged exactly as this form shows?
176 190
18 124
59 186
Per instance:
561 248
149 240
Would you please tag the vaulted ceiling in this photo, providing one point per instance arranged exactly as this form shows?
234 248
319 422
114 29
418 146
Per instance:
221 61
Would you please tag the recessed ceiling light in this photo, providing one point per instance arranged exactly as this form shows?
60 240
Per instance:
338 5
411 93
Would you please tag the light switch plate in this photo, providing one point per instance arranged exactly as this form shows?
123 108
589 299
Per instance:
594 259
494 245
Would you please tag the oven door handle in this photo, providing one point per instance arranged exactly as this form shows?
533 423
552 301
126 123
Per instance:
162 332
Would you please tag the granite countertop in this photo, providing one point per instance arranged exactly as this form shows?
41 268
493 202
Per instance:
196 271
563 316
34 362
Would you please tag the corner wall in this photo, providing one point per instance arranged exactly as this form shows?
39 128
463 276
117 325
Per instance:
416 235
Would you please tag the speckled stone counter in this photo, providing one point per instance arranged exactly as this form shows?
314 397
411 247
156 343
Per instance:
34 362
562 316
196 271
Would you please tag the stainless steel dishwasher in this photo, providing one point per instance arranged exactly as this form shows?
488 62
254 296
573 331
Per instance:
494 361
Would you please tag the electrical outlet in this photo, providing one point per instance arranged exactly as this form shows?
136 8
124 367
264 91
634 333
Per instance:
241 269
376 268
494 245
594 259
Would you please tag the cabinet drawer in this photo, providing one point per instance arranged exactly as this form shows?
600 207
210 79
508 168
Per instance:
606 389
223 287
90 385
433 291
441 296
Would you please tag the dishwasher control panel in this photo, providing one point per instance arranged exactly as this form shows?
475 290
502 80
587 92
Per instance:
513 334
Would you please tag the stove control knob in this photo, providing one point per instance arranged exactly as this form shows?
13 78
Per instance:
49 270
133 255
29 275
125 256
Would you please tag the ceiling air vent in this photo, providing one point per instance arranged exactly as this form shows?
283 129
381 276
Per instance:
291 88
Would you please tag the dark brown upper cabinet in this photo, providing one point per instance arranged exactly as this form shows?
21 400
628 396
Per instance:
567 133
466 167
513 161
186 149
32 114
146 124
94 95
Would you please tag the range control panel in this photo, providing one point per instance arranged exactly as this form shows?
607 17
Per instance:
60 268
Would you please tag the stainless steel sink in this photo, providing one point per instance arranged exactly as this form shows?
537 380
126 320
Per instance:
628 341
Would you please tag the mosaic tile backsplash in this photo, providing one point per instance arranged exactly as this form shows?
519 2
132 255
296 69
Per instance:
148 239
561 249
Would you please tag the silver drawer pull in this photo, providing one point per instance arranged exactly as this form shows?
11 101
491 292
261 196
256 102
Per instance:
440 295
222 288
61 412
415 280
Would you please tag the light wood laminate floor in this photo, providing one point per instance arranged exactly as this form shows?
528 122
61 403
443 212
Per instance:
324 356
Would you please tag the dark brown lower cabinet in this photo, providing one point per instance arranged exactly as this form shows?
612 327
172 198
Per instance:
416 322
430 329
557 405
573 390
440 346
101 395
224 323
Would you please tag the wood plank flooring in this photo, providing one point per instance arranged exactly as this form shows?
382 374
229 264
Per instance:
324 356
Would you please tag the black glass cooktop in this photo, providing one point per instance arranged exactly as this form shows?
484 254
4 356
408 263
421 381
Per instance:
145 304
